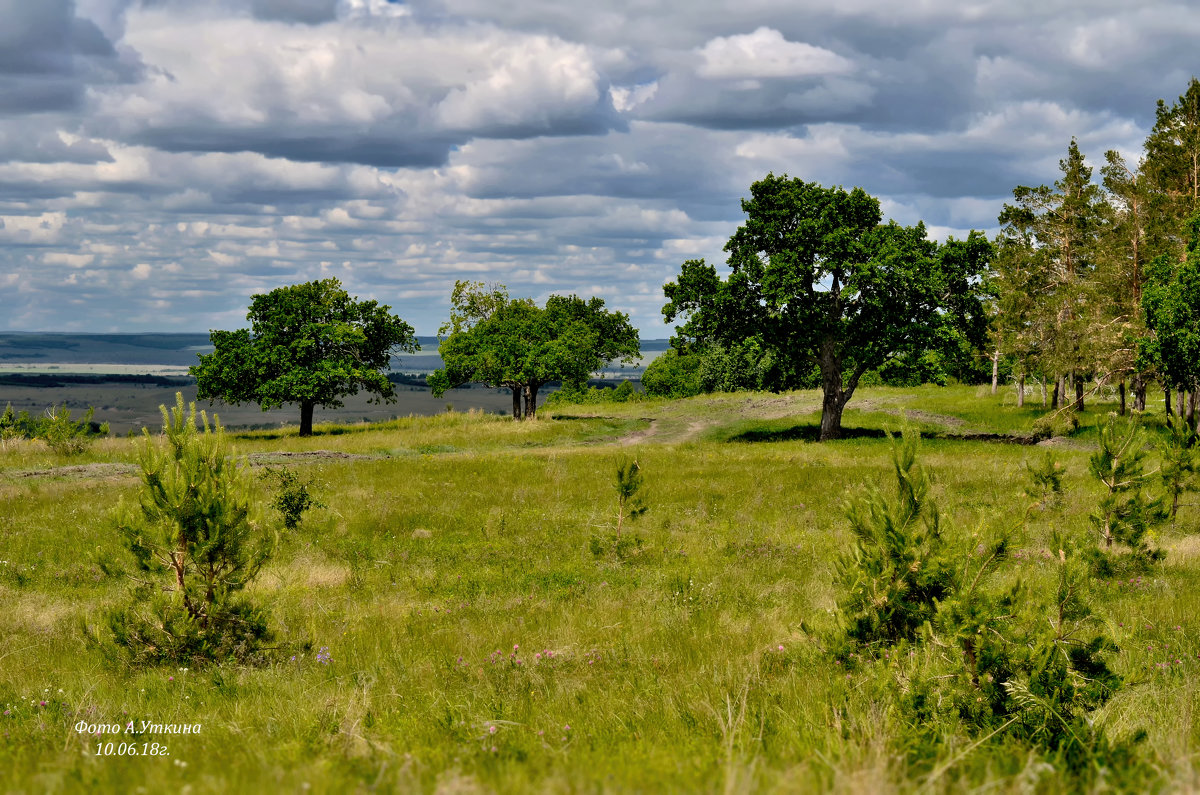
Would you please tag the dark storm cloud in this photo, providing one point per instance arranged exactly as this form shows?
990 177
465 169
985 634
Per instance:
48 56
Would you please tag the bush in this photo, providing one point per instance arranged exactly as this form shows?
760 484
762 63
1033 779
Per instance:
897 570
578 396
196 547
1124 513
66 436
62 434
1058 423
673 375
292 497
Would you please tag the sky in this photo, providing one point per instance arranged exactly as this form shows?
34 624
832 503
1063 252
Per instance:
163 160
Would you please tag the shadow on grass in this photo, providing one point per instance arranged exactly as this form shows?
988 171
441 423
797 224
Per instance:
802 433
812 432
293 432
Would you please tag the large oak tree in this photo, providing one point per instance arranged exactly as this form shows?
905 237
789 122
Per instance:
821 282
310 344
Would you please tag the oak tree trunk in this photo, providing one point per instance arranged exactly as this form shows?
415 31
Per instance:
516 390
995 371
1121 390
1079 394
531 391
834 399
306 417
1021 391
1139 393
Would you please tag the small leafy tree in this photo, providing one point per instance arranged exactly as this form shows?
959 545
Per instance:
1124 513
513 343
292 498
196 548
628 485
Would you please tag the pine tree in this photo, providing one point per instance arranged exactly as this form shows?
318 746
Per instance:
196 548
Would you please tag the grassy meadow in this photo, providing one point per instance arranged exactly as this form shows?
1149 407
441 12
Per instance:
454 620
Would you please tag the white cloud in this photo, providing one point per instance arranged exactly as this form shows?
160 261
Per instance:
766 53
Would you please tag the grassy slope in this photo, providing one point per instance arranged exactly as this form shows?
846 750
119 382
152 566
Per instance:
666 665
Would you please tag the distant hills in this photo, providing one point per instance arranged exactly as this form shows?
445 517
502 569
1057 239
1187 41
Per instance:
30 349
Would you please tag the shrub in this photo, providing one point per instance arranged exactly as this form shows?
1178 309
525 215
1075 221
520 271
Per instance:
575 395
1058 423
673 375
66 436
1178 470
1045 482
62 434
196 548
292 497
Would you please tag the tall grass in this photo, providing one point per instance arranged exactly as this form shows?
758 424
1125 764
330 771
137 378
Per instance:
473 641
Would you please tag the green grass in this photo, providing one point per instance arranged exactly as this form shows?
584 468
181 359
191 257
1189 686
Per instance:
448 539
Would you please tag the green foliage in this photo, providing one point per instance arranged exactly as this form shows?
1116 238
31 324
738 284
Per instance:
673 375
818 281
1179 464
897 569
292 498
1124 514
515 344
628 485
63 435
195 547
1032 666
1171 302
595 395
996 659
1045 481
309 344
66 436
1056 423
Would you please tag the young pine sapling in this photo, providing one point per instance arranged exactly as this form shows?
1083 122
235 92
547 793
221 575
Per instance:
1124 514
1178 468
196 547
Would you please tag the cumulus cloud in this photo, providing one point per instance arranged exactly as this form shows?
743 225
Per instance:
388 92
161 160
766 53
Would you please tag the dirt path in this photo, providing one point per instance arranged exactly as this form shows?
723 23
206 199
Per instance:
637 437
102 470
